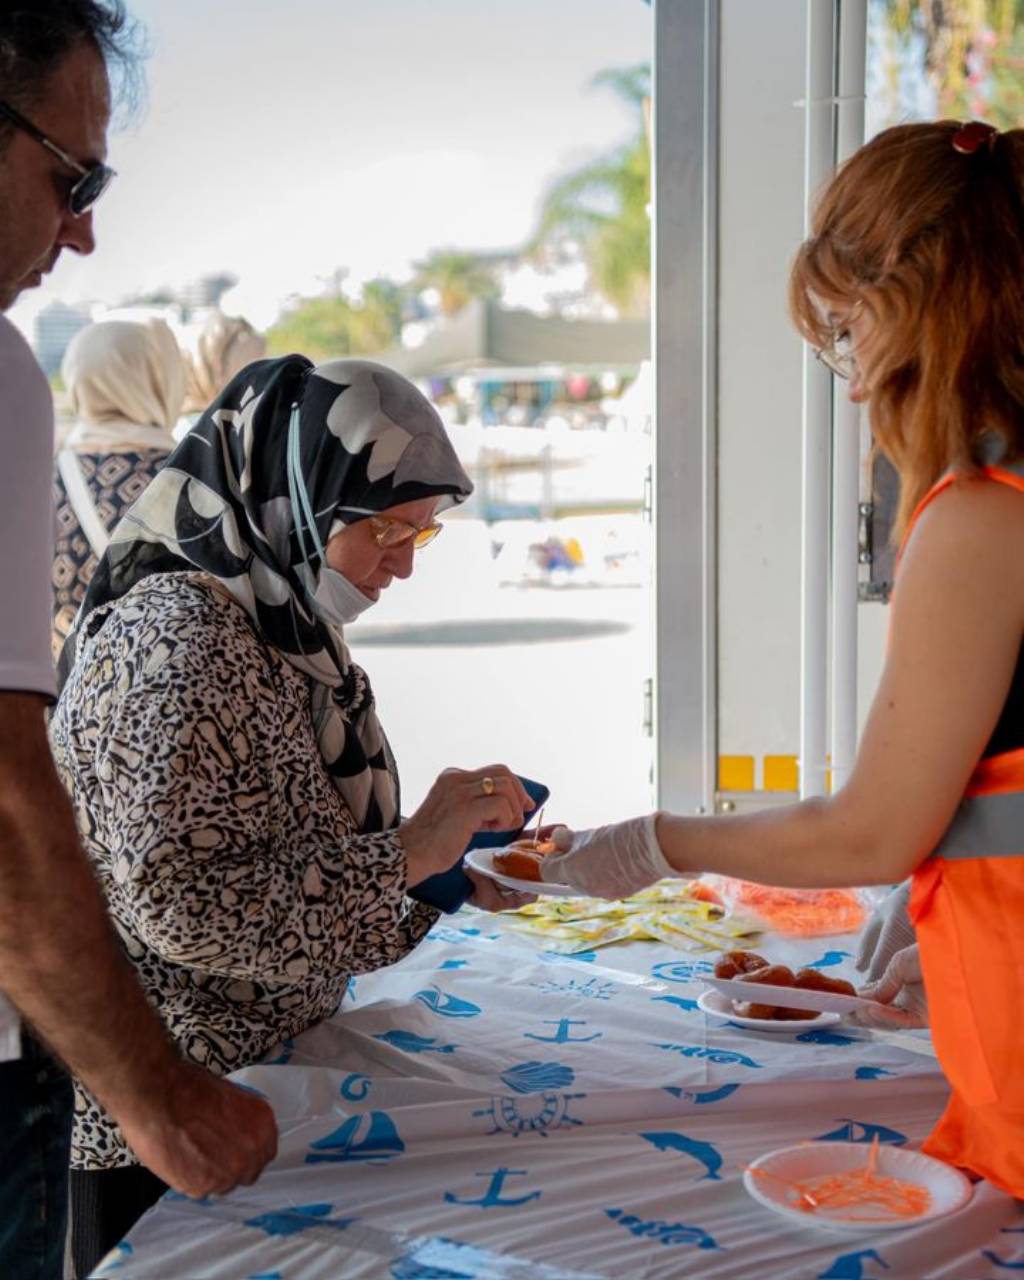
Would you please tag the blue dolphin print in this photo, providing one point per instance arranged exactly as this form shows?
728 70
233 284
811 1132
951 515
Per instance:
860 1131
289 1222
682 1002
454 964
447 1005
365 1137
871 1073
1004 1263
826 1037
410 1042
663 1232
829 959
703 1152
538 1077
850 1266
702 1095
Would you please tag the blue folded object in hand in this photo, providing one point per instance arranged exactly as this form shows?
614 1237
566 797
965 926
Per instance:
448 890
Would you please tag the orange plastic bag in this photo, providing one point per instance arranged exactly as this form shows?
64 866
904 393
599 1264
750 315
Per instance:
800 913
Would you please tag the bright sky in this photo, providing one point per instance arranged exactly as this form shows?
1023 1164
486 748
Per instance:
284 138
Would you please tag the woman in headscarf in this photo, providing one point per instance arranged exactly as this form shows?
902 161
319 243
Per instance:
232 782
126 382
224 346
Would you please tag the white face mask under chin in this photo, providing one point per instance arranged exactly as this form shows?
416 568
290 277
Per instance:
336 601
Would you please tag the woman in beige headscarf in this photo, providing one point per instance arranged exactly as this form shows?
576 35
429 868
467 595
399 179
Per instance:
126 382
225 345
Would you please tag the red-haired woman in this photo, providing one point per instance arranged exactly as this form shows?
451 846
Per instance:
912 286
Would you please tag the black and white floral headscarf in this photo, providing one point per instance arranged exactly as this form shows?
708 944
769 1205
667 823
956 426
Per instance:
368 440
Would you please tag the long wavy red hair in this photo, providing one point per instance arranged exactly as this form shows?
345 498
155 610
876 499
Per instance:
929 243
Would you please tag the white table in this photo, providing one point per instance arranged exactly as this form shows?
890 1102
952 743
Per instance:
487 1110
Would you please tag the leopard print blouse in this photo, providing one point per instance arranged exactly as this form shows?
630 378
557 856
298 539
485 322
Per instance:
233 872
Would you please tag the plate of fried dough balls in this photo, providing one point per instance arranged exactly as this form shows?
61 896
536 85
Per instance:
752 991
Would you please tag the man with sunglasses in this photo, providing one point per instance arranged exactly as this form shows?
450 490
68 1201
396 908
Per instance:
63 979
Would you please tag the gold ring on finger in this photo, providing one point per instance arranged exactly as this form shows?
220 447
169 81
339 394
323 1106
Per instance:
487 786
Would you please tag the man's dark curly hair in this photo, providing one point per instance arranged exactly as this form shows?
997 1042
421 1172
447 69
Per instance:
35 35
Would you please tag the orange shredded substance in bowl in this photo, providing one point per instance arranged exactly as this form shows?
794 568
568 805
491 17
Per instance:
856 1188
800 913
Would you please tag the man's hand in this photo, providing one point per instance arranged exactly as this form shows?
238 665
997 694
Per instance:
203 1136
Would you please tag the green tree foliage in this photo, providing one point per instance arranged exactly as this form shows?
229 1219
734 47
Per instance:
973 54
458 276
333 326
604 205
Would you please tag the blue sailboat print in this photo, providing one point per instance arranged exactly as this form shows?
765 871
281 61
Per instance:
447 1005
860 1131
371 1137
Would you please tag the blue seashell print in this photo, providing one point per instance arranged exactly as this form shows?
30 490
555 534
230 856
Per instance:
537 1077
447 1005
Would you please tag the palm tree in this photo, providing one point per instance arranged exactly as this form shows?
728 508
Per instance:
604 205
458 276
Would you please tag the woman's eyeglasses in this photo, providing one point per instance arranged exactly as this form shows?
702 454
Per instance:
93 179
838 356
395 533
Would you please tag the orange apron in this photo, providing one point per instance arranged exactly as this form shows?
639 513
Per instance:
967 905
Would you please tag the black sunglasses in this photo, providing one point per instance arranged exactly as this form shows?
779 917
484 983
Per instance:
93 179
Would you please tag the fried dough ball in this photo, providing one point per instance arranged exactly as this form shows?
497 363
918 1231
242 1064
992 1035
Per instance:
521 864
812 980
772 975
734 963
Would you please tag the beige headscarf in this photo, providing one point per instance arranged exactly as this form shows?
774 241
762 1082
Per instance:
126 381
225 345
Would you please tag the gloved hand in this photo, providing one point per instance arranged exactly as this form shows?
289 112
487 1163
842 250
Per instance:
607 862
900 993
888 931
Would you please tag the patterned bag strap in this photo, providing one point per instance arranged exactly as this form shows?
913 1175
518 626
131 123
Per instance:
81 502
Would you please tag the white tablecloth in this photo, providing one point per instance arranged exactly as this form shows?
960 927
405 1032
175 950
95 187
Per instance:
487 1110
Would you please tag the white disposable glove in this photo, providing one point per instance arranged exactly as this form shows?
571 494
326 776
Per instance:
607 862
900 993
888 931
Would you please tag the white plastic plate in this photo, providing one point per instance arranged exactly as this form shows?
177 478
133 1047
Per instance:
948 1187
482 860
716 1005
788 997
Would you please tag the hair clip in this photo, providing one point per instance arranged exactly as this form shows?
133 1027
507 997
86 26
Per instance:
969 137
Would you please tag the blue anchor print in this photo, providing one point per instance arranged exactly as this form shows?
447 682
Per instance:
371 1137
681 970
410 1042
850 1266
702 1096
355 1087
538 1077
663 1232
721 1056
492 1196
871 1073
563 1034
560 957
289 1222
829 959
826 1037
859 1131
540 1114
447 1005
681 1002
454 964
703 1152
